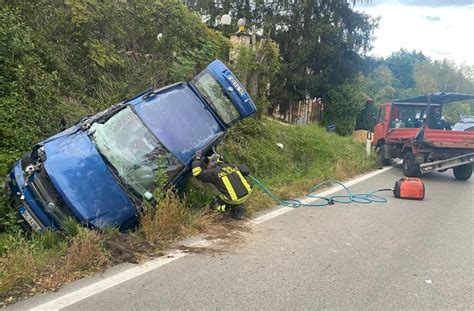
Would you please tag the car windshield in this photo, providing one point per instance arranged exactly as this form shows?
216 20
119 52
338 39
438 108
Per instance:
212 91
132 150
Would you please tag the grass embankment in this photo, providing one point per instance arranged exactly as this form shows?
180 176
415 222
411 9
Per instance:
30 264
309 156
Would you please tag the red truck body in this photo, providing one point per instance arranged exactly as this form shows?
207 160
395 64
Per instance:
414 130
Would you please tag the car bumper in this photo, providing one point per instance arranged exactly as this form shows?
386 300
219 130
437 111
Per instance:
23 202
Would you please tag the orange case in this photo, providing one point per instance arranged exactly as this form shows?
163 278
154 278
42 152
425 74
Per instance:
409 188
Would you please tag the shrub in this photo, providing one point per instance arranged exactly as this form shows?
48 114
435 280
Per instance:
342 105
86 252
166 220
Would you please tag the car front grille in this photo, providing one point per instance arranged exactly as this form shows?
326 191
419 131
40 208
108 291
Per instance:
47 196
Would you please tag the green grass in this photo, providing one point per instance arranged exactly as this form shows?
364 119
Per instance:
308 152
309 155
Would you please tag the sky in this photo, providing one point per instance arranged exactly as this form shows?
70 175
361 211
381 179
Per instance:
439 28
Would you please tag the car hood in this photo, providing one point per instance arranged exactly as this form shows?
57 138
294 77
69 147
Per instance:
85 183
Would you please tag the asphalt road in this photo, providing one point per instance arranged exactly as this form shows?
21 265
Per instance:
398 255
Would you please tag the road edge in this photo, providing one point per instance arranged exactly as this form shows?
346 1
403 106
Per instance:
108 282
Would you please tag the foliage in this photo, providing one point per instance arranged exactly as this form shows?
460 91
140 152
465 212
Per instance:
379 84
61 60
405 74
85 55
167 219
85 252
343 105
29 105
401 64
257 69
366 118
319 41
45 261
444 76
308 153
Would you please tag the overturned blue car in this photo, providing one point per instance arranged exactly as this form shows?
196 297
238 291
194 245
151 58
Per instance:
100 170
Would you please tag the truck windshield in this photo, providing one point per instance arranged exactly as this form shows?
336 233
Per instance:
132 150
212 91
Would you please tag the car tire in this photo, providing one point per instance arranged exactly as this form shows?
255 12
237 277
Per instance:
381 156
410 169
463 172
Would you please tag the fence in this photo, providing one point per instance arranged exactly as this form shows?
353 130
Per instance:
302 112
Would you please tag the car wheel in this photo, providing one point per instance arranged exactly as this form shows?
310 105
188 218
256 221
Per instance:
410 169
463 172
381 156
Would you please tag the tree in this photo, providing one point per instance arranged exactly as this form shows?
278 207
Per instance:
445 76
320 42
343 104
379 84
401 63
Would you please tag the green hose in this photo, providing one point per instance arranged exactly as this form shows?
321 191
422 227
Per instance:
364 198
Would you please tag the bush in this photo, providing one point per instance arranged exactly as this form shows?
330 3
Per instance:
342 105
166 220
29 100
257 69
86 252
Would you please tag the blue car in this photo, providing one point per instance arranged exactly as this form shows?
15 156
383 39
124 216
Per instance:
466 123
100 170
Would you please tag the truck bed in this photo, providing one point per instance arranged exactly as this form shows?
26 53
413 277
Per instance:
435 138
449 139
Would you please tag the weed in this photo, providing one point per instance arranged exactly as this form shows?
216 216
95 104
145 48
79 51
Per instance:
86 252
19 266
71 227
168 219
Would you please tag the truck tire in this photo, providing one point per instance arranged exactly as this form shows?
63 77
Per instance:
381 156
410 169
463 172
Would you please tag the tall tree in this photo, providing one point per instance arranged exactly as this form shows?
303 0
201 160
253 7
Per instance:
401 63
321 42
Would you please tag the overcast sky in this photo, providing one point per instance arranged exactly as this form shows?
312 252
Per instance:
439 28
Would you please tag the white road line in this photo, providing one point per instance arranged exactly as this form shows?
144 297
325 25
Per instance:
124 276
330 191
100 286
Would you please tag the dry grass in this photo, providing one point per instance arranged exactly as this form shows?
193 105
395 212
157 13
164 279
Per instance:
86 253
19 266
170 218
30 267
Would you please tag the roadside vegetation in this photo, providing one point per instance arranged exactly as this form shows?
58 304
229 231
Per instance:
62 60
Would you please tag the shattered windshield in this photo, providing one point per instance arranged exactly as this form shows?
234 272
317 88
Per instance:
213 93
132 150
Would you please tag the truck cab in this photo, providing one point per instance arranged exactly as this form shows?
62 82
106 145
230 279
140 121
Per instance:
100 170
413 129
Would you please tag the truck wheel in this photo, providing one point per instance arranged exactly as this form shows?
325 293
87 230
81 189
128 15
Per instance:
381 156
410 169
463 172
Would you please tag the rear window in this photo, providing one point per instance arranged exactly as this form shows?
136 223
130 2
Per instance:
212 91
